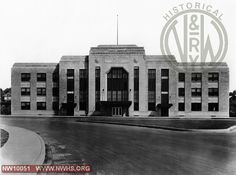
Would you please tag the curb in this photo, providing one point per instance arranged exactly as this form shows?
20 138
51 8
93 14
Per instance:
23 147
139 125
228 130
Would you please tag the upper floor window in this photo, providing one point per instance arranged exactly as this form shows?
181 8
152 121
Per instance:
41 105
25 91
41 91
41 77
196 92
164 72
181 92
213 92
55 77
213 77
25 105
25 76
196 77
70 73
181 77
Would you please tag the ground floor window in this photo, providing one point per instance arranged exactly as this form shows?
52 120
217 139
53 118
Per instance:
55 106
41 105
25 105
181 107
196 106
213 107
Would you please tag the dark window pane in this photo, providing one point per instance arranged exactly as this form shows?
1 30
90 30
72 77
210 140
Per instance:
213 92
181 107
25 105
213 77
25 77
55 92
41 105
41 91
196 92
213 106
25 91
55 106
181 92
196 106
70 73
70 85
41 77
181 77
196 77
165 72
165 85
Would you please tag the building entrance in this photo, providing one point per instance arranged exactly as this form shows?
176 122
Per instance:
116 111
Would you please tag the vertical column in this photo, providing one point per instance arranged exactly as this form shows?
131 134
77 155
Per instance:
33 91
131 89
143 89
204 91
188 92
76 93
173 89
62 87
223 92
91 87
49 85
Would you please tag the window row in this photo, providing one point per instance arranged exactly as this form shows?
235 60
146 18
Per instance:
197 92
198 106
40 106
41 77
40 91
197 77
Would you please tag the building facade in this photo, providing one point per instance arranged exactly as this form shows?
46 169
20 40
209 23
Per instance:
120 80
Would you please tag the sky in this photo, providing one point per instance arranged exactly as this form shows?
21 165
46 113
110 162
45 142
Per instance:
45 30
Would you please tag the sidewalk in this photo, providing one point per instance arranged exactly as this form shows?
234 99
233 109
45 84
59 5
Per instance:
23 147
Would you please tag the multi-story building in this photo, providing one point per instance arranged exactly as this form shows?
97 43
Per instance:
120 80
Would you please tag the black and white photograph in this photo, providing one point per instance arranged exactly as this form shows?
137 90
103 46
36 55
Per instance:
117 87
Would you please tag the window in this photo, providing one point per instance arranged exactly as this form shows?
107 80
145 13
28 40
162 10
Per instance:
55 77
41 77
136 88
25 91
25 105
83 88
213 77
165 80
196 92
25 77
41 91
55 106
196 106
136 100
151 101
181 107
55 91
213 107
181 77
70 73
97 88
70 85
196 77
213 92
165 72
41 105
181 92
151 89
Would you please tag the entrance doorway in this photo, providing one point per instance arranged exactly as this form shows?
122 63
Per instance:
116 111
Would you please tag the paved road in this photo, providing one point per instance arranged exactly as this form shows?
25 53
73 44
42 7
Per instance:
112 149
